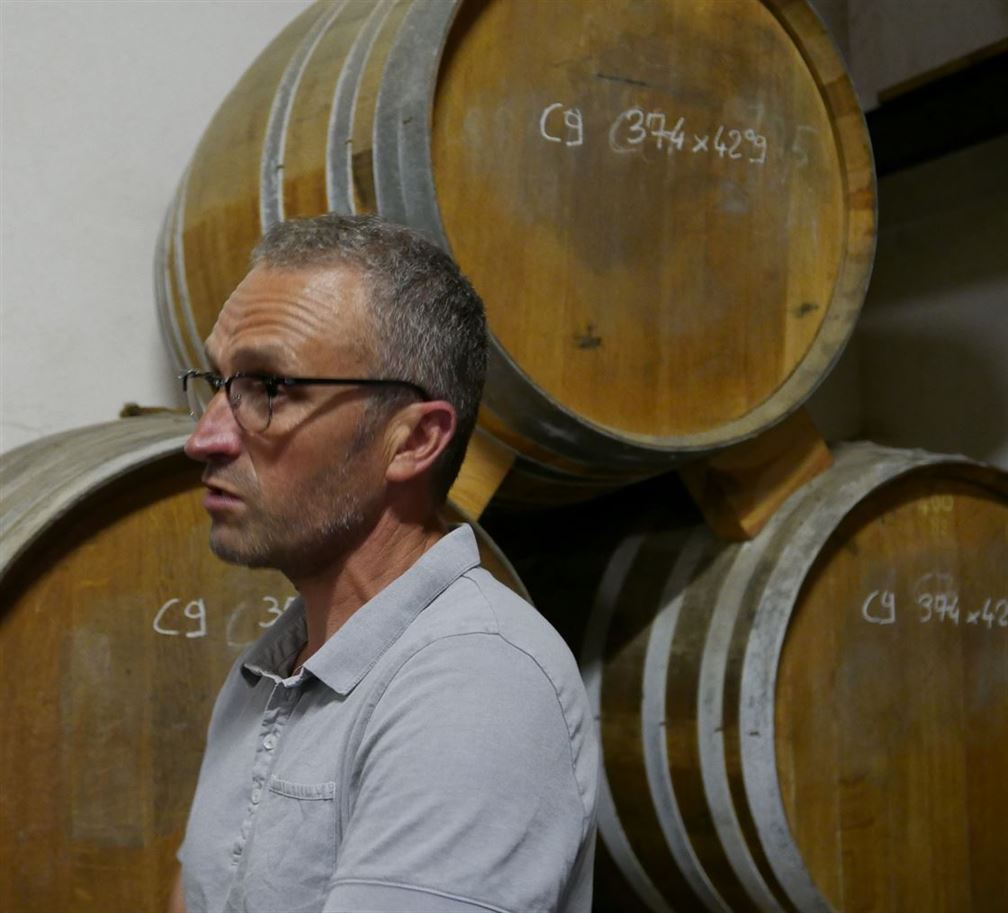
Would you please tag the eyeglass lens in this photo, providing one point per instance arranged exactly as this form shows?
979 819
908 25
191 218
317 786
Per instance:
249 400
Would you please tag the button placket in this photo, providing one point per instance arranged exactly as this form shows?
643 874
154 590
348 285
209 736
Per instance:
278 710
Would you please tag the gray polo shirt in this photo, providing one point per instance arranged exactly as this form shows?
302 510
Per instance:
437 754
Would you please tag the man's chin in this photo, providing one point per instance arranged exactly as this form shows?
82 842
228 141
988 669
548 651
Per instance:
238 553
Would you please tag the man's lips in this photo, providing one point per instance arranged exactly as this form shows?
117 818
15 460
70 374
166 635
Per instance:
218 497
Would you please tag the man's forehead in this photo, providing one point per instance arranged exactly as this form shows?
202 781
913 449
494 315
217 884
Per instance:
333 285
276 309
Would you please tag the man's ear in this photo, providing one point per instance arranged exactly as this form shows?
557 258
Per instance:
418 435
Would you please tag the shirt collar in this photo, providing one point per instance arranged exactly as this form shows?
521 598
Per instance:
273 653
346 657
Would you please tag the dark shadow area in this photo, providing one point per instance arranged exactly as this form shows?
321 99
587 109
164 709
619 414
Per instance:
968 103
561 553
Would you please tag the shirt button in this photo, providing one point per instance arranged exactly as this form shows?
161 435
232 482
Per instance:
256 795
269 743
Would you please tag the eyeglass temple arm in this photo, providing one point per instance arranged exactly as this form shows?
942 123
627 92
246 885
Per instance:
353 381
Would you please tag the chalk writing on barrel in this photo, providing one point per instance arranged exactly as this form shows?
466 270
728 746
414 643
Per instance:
196 609
168 620
636 129
936 599
887 615
572 120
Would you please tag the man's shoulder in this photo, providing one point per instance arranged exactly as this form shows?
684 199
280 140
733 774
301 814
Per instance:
483 662
482 637
477 721
478 603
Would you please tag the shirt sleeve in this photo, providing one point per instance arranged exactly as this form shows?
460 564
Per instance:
465 795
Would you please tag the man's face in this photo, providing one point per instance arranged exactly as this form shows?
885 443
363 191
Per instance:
297 495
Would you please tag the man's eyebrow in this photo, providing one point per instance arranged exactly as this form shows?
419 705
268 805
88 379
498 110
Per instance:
267 358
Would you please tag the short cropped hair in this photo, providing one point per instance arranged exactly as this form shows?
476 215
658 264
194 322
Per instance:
429 323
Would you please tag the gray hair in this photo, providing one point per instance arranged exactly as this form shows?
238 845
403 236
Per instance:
429 323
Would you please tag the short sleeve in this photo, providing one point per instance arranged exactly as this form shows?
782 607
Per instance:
464 795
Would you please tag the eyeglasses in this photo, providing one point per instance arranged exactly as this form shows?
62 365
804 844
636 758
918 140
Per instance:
251 395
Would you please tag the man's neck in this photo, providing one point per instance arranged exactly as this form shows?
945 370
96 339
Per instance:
333 595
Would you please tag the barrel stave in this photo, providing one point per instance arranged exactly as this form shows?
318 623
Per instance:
221 205
685 706
905 692
622 725
307 140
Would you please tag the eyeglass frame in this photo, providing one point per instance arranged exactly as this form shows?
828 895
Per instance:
218 383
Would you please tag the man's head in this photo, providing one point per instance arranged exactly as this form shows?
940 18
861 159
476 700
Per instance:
336 297
428 322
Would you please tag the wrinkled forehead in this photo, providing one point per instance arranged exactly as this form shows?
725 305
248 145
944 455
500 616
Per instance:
287 319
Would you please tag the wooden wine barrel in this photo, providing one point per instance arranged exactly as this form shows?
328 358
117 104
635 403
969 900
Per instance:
667 205
817 719
117 628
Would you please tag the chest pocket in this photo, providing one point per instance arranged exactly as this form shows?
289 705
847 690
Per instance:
292 850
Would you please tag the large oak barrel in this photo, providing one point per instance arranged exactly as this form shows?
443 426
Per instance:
117 627
668 205
817 719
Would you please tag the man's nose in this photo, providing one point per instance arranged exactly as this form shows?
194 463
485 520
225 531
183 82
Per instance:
217 436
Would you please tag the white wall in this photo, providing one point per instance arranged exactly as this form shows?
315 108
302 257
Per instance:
933 337
928 363
103 102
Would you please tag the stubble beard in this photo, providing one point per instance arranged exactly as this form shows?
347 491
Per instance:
311 529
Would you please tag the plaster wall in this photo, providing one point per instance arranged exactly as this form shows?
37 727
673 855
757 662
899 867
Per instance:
927 365
933 337
103 102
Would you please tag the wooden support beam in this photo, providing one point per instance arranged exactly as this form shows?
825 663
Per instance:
486 463
958 105
738 489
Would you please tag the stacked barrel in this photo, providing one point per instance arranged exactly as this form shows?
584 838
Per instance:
817 719
668 207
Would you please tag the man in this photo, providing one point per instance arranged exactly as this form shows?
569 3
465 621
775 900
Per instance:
409 735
